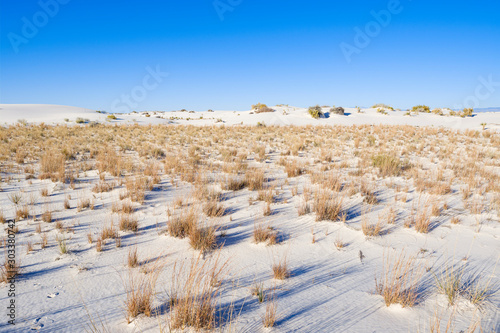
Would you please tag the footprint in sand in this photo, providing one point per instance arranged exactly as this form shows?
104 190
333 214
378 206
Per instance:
52 295
36 325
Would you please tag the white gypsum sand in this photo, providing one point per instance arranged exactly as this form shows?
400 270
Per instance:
327 221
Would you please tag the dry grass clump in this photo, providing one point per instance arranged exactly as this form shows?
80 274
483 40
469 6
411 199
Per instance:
233 183
449 282
371 230
292 168
327 206
270 316
280 269
266 196
399 281
9 270
22 212
203 238
141 290
132 258
183 222
66 203
98 244
389 165
83 203
103 186
214 209
136 188
61 244
194 293
254 179
52 166
128 223
263 234
304 208
422 222
47 216
108 232
109 161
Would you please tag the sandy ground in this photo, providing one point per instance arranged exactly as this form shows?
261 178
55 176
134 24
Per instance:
330 289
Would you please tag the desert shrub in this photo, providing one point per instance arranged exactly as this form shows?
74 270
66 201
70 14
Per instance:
338 110
421 108
260 108
467 112
315 111
111 116
439 112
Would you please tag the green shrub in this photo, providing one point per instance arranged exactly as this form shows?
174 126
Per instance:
315 111
111 116
260 108
438 112
467 112
421 108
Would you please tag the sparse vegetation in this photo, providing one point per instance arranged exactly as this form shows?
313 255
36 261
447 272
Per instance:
315 111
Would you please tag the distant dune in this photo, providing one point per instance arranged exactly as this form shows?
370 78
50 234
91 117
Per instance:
282 116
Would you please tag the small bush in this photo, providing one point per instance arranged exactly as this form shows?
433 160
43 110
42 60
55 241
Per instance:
338 110
260 108
111 116
315 111
421 108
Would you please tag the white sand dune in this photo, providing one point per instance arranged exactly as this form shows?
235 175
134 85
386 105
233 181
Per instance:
11 113
36 113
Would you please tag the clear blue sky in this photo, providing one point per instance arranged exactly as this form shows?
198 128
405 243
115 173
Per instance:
229 54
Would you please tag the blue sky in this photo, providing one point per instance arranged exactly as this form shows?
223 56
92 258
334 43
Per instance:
229 54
